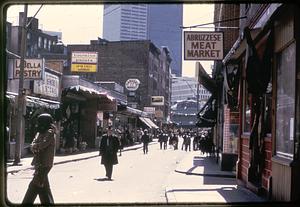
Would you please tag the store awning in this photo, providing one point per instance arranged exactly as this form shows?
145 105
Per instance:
33 101
207 115
148 122
90 91
126 110
207 81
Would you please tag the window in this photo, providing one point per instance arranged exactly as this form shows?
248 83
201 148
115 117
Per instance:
28 36
45 43
285 106
49 44
40 42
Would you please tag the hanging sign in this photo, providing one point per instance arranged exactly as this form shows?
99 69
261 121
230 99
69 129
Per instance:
49 86
33 68
132 84
157 100
149 110
203 45
84 61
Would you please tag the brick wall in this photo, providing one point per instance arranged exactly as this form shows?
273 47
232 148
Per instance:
244 162
226 131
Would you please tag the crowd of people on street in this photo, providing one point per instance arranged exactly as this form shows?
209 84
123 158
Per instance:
112 142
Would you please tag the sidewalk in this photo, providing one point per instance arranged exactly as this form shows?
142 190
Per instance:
25 163
198 179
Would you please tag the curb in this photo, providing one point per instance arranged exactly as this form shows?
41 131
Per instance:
72 160
207 174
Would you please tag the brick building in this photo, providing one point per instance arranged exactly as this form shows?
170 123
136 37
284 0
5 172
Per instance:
266 62
122 60
226 131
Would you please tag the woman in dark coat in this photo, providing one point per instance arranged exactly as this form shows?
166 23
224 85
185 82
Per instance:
108 150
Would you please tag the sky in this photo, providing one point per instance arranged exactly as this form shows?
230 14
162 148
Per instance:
81 23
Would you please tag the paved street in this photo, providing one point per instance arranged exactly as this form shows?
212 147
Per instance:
160 176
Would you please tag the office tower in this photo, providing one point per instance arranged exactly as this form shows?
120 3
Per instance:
159 23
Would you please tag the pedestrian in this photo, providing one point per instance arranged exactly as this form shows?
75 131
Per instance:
161 139
145 139
184 136
108 150
165 140
69 136
188 142
43 148
121 141
175 141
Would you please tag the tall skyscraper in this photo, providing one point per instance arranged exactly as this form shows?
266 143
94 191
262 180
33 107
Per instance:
159 23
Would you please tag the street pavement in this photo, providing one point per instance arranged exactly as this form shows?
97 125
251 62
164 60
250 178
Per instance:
197 179
25 163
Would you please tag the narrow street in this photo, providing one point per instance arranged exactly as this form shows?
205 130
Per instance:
152 178
137 178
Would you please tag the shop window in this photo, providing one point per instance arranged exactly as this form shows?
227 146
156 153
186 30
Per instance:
285 106
246 109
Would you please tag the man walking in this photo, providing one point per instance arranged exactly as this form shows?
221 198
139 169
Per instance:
145 140
108 150
43 148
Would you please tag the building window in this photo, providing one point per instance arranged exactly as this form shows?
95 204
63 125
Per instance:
285 106
49 44
40 42
45 43
28 36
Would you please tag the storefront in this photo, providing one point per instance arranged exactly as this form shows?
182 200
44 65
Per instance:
33 107
268 147
41 96
87 109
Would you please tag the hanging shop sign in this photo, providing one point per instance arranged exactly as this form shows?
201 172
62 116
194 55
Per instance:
149 110
157 100
203 45
33 68
132 84
49 86
84 61
159 114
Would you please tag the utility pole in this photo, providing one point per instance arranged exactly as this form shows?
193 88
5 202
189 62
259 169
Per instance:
21 95
197 78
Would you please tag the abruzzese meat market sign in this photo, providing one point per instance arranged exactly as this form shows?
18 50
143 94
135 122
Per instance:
203 45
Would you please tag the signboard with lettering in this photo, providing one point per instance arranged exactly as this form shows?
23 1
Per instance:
84 61
49 86
149 110
157 100
159 114
203 45
132 84
33 68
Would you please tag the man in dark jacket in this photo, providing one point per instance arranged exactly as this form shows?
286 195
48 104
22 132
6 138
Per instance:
43 148
145 139
108 150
